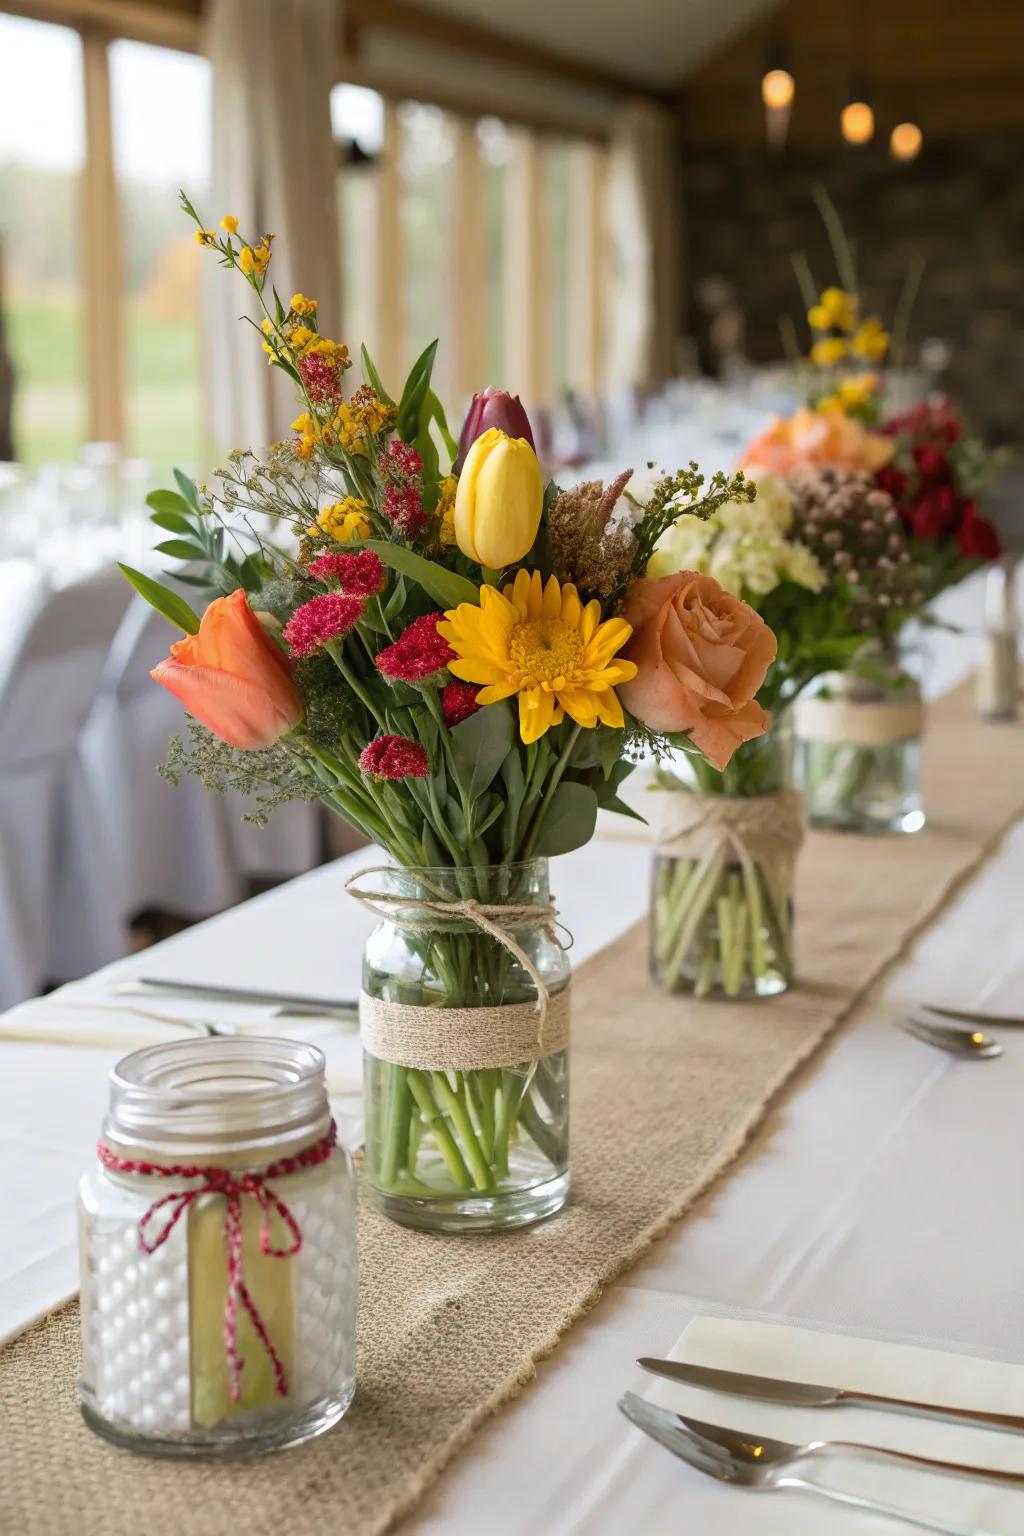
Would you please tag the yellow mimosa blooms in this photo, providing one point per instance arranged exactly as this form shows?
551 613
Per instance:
856 389
499 500
345 520
540 643
206 237
305 426
300 305
300 336
840 308
827 351
230 223
253 262
871 340
445 509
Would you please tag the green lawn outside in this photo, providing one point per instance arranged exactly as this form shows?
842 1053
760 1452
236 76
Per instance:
162 391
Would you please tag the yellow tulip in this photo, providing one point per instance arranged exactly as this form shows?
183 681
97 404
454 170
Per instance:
499 500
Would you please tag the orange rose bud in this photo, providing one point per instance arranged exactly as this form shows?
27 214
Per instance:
233 678
701 655
824 439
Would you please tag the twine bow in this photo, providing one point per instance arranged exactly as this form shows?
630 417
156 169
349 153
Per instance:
497 919
232 1186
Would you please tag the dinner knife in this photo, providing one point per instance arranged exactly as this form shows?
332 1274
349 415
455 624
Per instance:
801 1394
974 1015
294 1002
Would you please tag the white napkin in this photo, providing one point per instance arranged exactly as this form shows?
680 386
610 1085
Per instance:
867 1365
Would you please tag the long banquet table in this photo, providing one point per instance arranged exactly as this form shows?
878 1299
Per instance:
880 1196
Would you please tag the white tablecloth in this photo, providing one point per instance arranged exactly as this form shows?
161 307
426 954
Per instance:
880 1197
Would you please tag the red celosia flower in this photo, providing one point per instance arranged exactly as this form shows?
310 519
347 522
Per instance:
403 504
325 617
418 653
394 757
322 380
977 538
358 575
458 702
932 464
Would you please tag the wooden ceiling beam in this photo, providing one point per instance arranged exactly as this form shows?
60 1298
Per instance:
495 47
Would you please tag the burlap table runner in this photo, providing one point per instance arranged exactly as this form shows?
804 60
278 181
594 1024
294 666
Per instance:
664 1095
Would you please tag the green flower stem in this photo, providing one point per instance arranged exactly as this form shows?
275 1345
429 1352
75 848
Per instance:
538 1129
445 1095
396 1140
699 897
553 782
419 1087
478 1094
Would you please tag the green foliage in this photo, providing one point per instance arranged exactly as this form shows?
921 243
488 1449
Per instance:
267 779
570 820
162 599
480 745
447 588
201 543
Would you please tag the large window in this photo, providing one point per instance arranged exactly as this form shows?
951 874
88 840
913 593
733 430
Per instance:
357 118
426 150
42 145
163 380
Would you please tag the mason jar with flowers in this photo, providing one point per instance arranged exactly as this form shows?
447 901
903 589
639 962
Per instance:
442 656
748 580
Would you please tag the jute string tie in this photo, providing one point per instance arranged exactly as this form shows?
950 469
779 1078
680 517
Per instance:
412 1036
232 1185
767 829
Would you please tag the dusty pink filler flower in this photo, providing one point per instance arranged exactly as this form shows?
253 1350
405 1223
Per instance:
325 617
394 757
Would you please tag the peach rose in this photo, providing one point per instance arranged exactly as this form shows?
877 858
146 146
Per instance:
232 677
823 439
701 655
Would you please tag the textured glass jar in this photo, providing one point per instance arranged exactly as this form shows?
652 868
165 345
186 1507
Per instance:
722 884
481 1148
859 758
224 1130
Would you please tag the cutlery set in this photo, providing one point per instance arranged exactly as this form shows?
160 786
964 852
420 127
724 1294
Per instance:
757 1462
957 1030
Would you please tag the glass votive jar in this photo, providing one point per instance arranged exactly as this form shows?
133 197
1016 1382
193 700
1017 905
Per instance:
217 1252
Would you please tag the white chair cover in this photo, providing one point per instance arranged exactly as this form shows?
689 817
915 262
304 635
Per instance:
50 684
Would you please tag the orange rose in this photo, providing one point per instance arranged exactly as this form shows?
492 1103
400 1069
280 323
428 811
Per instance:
823 439
233 678
701 655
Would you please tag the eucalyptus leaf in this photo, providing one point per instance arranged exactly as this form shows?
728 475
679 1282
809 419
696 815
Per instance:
163 600
480 745
569 821
622 809
447 588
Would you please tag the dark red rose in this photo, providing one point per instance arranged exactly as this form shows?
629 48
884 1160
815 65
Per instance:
934 513
932 464
977 538
892 480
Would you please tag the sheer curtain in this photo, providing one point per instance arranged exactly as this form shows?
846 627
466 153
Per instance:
644 196
274 168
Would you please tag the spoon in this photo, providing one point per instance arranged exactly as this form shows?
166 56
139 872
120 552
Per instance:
970 1043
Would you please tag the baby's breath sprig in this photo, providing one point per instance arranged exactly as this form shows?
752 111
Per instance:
683 494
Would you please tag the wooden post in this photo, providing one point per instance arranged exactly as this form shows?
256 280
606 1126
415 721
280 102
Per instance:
467 265
102 259
527 299
389 303
587 258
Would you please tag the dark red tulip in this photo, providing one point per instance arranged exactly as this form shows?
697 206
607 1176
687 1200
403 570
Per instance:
492 408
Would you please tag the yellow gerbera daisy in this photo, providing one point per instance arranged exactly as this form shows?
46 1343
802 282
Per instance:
541 643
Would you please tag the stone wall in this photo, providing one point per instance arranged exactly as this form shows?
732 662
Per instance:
960 205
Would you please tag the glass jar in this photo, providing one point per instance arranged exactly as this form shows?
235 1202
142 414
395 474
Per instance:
722 889
217 1252
860 751
464 1134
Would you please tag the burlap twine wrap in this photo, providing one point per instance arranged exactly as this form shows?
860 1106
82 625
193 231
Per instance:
462 1039
767 829
858 722
451 1328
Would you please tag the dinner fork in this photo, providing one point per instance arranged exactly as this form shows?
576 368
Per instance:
754 1462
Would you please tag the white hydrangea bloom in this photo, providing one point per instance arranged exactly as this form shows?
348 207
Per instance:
743 546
